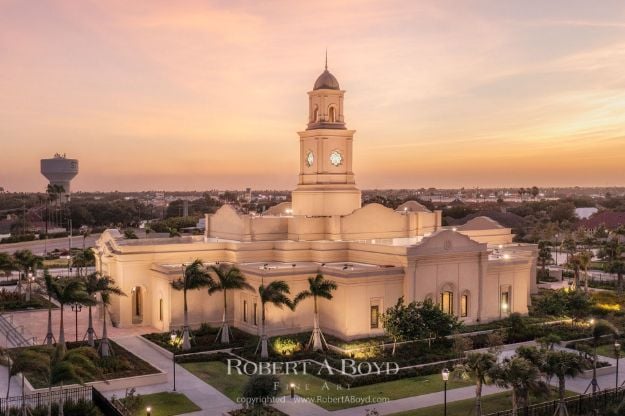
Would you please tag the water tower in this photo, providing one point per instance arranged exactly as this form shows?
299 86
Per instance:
60 171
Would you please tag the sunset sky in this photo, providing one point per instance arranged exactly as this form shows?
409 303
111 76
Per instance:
184 95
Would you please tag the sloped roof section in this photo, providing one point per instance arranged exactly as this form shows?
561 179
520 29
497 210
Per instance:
412 206
480 223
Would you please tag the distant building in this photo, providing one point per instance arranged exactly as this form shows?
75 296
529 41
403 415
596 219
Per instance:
611 220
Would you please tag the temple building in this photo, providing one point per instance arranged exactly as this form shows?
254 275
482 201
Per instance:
373 253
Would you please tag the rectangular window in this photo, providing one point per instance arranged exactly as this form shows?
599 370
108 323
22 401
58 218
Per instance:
160 310
255 314
505 302
447 302
244 311
375 316
464 306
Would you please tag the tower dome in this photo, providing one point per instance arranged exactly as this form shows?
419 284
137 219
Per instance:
326 81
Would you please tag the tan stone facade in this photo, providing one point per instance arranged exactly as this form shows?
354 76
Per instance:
374 254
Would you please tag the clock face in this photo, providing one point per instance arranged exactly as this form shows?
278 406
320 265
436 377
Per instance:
336 158
310 158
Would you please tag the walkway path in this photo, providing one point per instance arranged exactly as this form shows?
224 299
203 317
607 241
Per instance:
299 406
212 401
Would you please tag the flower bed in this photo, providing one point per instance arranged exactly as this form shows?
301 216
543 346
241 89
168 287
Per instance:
203 339
121 364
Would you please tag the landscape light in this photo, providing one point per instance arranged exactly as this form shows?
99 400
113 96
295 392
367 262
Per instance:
445 374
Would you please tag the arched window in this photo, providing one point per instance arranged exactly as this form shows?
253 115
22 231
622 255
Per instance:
332 114
315 114
447 302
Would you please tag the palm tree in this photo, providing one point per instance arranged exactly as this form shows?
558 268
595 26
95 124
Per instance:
83 259
96 284
600 329
618 267
575 264
584 261
85 232
194 276
274 293
318 287
48 283
66 291
522 377
7 264
105 286
562 364
228 277
478 368
32 362
26 262
56 367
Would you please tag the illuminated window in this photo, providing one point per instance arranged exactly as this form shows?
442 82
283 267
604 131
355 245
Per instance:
464 306
505 301
447 302
375 316
332 115
244 311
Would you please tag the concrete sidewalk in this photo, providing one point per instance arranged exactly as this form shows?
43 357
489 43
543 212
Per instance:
212 401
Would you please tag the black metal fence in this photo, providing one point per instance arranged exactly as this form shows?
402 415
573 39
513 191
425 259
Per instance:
107 406
31 401
581 405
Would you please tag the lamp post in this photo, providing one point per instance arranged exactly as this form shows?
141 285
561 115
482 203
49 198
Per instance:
292 385
617 352
148 411
30 281
445 375
76 307
173 354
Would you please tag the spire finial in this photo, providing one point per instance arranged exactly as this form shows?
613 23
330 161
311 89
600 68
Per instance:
326 59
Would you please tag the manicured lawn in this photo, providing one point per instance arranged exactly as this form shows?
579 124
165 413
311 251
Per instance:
309 386
166 404
55 263
490 404
608 351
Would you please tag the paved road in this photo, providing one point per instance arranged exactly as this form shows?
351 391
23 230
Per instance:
39 246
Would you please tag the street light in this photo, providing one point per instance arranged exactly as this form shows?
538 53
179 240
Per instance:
617 352
76 307
30 280
292 385
148 411
173 336
445 374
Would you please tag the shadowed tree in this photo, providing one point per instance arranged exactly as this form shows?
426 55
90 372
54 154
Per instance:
7 264
47 286
318 287
562 364
96 284
228 278
275 293
194 277
106 287
83 259
523 378
478 368
26 262
600 329
544 256
67 291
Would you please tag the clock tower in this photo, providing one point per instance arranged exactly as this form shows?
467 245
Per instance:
326 183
